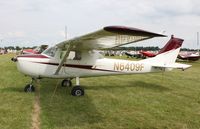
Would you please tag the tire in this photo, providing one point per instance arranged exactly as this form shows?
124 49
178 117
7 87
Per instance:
29 88
66 83
77 91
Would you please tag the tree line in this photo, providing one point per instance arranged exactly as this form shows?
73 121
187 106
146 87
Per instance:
151 48
17 48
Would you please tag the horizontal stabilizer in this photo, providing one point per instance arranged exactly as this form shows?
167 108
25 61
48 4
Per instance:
174 65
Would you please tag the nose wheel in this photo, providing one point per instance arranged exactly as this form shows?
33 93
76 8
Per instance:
29 87
66 83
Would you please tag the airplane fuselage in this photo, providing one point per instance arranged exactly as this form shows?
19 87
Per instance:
43 66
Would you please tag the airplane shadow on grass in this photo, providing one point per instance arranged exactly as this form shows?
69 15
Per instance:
64 110
132 84
12 89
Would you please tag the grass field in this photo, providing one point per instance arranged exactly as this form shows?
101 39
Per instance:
148 101
15 105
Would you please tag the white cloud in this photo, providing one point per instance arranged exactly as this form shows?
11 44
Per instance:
45 20
16 34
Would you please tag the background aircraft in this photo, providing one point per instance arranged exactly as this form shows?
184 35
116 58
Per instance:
189 56
131 55
76 58
173 43
36 50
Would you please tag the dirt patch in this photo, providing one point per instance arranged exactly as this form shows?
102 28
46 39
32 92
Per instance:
36 108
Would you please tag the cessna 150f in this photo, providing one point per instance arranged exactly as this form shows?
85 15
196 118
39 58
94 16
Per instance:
79 57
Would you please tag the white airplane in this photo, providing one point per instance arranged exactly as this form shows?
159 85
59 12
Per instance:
79 57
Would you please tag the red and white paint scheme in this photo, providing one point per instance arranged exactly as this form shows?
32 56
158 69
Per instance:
173 43
79 57
189 56
37 50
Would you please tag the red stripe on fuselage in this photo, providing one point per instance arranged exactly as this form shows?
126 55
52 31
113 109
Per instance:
89 67
68 65
33 56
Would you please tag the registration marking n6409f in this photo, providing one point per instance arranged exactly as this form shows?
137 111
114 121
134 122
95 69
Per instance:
120 66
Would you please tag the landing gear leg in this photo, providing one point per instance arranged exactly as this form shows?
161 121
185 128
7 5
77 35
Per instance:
29 87
77 90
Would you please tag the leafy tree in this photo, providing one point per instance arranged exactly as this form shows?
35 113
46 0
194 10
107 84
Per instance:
17 48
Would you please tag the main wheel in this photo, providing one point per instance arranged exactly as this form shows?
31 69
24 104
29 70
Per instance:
77 91
66 83
29 88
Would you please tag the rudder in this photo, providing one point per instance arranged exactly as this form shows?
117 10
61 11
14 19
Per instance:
173 43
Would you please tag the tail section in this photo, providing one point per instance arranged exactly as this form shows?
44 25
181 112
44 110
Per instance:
167 59
173 43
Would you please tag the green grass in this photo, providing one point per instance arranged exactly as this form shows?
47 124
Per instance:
146 101
15 105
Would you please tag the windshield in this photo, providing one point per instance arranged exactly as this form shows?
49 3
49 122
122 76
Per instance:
50 51
37 49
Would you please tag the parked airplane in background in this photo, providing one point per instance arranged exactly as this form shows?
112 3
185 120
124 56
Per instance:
131 55
78 58
173 43
37 50
189 56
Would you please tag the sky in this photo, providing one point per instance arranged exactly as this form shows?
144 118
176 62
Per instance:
36 22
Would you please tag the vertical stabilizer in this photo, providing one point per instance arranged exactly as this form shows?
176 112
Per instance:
173 43
172 49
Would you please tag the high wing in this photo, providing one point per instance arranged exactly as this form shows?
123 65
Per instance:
108 37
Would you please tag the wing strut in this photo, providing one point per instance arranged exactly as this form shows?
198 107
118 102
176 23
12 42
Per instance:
63 60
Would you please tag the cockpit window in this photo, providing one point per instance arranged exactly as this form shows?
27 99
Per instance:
37 49
50 51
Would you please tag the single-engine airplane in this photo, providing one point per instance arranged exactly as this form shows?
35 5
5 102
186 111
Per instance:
131 55
37 50
79 57
189 57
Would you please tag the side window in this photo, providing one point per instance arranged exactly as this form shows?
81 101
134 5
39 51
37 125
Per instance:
50 52
73 55
62 54
77 56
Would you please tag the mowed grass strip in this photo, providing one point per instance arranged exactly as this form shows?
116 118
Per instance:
15 105
147 101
